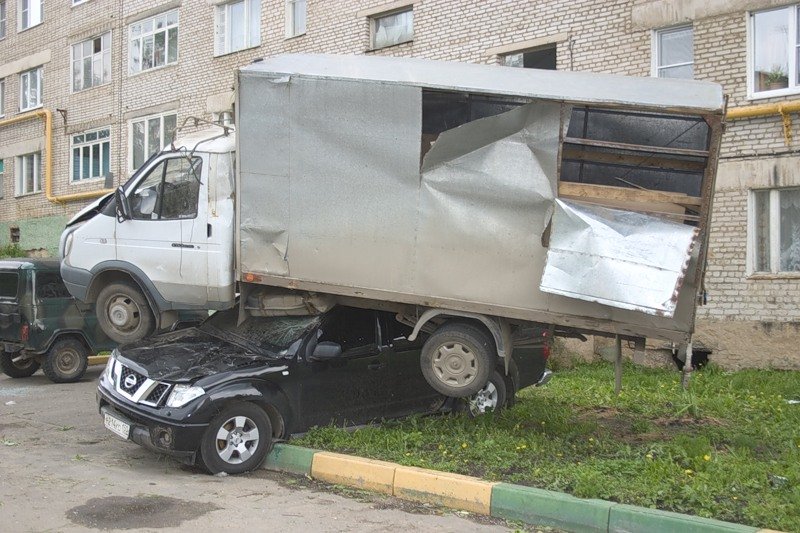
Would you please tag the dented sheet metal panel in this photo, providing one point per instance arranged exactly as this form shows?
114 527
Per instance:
618 258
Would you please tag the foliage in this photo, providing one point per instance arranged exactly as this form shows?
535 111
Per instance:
729 449
11 250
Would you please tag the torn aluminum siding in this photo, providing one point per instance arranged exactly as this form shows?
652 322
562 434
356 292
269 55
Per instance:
618 258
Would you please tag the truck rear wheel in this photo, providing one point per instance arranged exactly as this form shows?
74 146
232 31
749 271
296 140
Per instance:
458 359
66 361
19 369
123 312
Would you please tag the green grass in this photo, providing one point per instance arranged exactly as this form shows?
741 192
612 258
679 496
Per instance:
729 449
11 250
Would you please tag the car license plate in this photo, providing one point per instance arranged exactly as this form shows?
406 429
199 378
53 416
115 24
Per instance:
117 426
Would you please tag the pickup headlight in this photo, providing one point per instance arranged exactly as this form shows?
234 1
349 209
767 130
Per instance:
108 373
183 394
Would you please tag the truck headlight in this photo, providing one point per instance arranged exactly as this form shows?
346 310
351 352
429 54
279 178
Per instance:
183 394
68 244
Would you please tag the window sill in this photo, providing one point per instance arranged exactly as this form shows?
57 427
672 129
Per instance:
761 276
764 95
87 89
26 194
28 109
152 69
76 4
290 37
86 180
223 54
410 41
23 30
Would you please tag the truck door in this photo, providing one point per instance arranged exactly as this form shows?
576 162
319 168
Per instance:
164 206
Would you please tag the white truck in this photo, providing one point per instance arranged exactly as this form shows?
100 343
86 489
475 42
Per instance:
469 199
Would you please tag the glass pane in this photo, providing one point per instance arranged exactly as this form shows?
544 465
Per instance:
172 46
77 75
147 26
761 245
76 51
237 29
299 17
136 56
172 17
138 144
513 60
771 49
790 230
107 41
160 22
97 45
255 23
87 72
394 29
684 72
76 164
153 136
144 199
86 48
106 65
136 30
170 123
92 136
29 183
675 46
103 134
85 161
160 52
147 52
106 158
78 139
24 81
96 160
179 200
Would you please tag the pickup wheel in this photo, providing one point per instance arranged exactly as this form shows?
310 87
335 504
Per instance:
458 359
66 361
20 369
237 440
123 312
492 397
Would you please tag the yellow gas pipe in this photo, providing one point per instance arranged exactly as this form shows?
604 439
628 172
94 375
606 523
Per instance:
47 115
780 108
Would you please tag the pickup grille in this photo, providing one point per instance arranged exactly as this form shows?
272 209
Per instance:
138 387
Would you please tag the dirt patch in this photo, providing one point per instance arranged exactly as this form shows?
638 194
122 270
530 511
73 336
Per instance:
143 511
639 430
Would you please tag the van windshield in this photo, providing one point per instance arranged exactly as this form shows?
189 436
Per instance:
264 334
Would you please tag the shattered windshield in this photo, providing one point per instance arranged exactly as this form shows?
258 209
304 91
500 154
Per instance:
264 334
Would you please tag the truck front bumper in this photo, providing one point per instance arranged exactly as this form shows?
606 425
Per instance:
77 280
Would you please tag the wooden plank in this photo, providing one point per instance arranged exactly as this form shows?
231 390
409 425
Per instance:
636 147
632 160
625 194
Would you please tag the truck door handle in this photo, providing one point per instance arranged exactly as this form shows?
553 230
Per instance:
208 230
181 245
375 366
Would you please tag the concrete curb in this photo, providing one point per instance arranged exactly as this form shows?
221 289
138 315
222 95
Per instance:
500 500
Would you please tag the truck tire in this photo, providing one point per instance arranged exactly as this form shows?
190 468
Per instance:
21 369
458 359
66 361
237 440
123 312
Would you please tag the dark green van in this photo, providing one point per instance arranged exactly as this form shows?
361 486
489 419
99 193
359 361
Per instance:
42 325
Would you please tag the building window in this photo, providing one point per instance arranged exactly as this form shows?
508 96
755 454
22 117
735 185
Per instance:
150 134
91 62
673 53
295 17
775 230
29 173
774 48
543 58
91 154
2 176
392 28
30 89
237 26
2 19
30 13
154 42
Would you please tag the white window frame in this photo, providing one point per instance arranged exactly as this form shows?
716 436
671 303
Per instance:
19 172
138 33
24 6
94 145
2 97
292 26
655 51
3 19
774 247
78 2
145 119
793 47
2 178
373 23
222 35
38 78
103 56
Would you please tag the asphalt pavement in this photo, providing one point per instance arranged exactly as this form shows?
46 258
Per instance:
61 470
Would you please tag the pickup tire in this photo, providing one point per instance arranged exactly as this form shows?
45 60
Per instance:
458 359
237 440
66 361
21 369
123 312
491 398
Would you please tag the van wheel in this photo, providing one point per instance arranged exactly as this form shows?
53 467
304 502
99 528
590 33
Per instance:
123 312
457 359
237 440
20 369
66 361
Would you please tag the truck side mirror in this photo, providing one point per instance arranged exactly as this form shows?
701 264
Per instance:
123 207
326 350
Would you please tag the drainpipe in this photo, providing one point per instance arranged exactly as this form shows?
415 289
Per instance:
784 109
47 115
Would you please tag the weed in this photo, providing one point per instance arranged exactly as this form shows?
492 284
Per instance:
11 250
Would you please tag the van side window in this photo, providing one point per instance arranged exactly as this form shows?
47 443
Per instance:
8 284
169 191
49 285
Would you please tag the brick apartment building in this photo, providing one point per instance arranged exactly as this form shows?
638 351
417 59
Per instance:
115 78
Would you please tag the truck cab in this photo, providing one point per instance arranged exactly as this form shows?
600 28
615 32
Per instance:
162 242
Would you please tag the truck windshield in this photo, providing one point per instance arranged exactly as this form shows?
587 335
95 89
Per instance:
264 334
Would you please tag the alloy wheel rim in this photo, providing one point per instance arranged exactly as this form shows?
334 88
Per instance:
237 440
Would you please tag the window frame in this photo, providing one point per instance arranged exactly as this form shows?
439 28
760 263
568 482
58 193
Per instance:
793 47
20 175
504 58
3 19
78 2
162 166
142 35
2 178
39 89
91 145
146 118
103 53
291 20
373 23
2 97
226 33
655 51
21 10
774 245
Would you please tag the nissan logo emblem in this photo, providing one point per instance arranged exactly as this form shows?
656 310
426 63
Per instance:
130 381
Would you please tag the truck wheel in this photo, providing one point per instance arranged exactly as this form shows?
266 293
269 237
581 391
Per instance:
20 369
123 312
237 440
458 359
491 398
66 361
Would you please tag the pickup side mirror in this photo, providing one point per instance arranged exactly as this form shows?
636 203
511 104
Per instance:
325 351
123 207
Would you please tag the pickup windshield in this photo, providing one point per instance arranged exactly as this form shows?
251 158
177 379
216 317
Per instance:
263 334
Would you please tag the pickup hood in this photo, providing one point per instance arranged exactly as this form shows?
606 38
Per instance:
190 354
